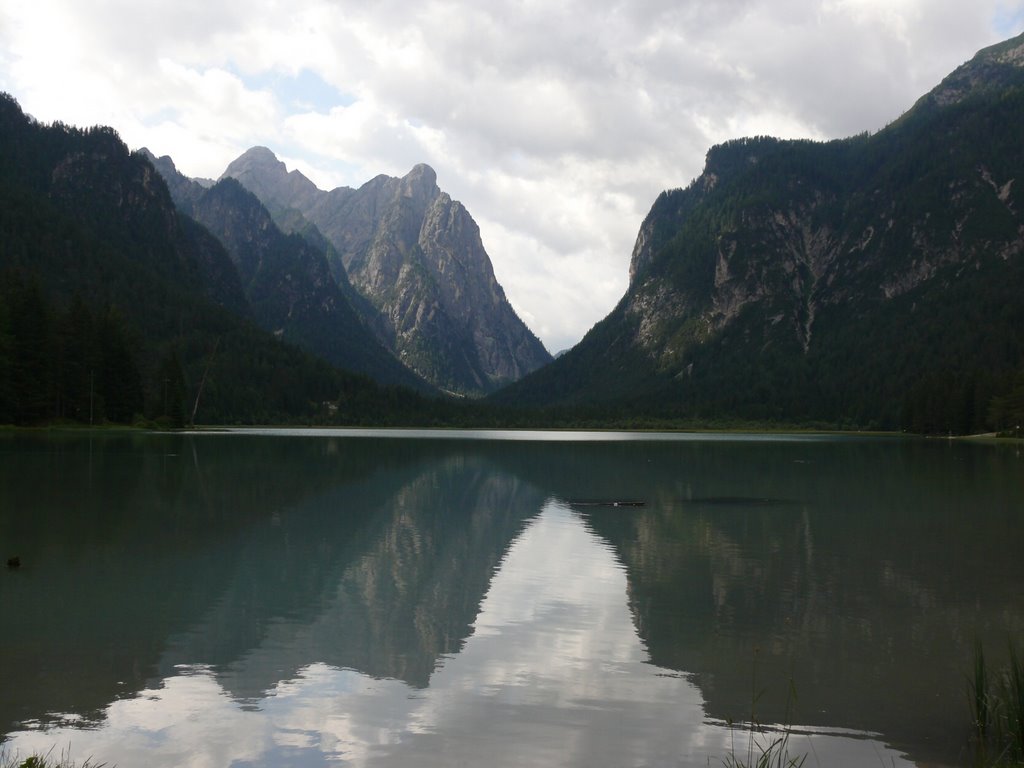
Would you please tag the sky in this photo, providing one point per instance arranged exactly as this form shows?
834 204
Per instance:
555 123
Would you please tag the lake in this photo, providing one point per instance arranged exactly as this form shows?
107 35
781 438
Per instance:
396 598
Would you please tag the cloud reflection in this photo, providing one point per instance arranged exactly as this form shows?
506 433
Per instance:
553 674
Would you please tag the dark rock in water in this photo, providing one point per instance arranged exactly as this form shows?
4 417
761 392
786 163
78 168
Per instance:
13 562
607 503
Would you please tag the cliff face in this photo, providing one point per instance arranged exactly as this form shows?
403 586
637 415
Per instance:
111 297
287 280
417 258
849 280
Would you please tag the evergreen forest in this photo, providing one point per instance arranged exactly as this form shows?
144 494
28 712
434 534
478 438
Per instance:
867 283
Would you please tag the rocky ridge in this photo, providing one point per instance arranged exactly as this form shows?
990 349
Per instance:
865 280
988 70
417 258
287 280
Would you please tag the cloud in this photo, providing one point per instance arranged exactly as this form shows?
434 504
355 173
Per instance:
556 124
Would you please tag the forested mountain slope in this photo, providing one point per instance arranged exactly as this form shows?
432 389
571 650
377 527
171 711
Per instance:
114 306
872 282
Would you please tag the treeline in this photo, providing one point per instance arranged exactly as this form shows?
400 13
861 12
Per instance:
76 364
1006 410
69 362
116 308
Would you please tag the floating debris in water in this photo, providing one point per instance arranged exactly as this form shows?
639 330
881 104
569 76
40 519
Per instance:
607 503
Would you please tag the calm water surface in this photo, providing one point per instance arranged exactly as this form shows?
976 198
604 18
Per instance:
275 598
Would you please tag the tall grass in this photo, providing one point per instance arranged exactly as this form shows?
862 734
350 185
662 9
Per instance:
766 747
9 760
980 697
1015 704
997 712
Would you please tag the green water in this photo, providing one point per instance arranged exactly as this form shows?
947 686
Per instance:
408 598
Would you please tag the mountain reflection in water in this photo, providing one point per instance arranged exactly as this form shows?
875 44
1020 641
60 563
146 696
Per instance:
302 600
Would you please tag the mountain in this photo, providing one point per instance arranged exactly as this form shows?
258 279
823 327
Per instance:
416 256
287 279
115 306
870 282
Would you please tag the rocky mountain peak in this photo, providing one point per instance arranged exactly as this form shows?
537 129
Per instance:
420 184
287 280
262 173
416 258
1010 52
146 153
991 68
262 158
422 174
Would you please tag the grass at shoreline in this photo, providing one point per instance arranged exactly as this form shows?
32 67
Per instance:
47 760
997 711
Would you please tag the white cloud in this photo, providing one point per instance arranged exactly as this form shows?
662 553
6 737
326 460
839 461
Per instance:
556 124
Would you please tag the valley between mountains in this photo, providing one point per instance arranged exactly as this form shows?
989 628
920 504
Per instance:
867 282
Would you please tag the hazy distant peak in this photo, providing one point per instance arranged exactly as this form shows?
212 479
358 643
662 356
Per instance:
146 153
420 183
261 156
268 178
421 177
257 158
424 172
265 162
164 163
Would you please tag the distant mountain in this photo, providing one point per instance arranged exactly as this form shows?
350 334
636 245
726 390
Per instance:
286 279
416 256
115 306
873 281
